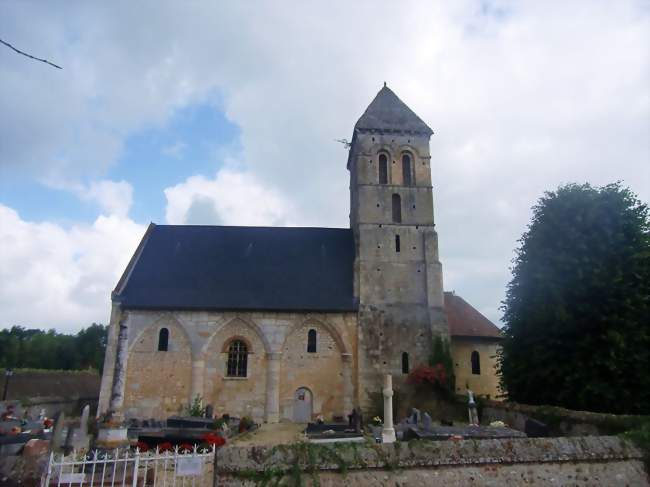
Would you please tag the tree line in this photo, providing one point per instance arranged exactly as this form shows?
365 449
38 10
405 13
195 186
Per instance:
39 349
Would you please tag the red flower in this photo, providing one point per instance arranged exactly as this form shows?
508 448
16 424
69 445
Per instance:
185 447
47 423
213 439
166 446
425 374
142 446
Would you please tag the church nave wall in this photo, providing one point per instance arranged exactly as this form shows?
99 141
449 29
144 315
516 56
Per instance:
161 383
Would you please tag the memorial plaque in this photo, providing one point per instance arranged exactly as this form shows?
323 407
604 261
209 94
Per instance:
189 466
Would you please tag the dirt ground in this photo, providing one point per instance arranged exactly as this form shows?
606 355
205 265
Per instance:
272 434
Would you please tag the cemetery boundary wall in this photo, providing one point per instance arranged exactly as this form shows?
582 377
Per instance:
560 421
593 460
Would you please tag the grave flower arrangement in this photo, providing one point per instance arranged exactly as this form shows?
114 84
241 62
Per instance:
376 421
166 446
212 439
185 448
142 446
245 424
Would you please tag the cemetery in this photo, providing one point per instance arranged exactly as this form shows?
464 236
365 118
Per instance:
505 442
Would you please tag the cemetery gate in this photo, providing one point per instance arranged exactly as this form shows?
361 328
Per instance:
132 468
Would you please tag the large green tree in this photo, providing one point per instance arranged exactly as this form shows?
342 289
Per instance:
577 310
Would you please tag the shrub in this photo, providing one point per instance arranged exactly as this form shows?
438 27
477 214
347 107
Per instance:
434 376
196 409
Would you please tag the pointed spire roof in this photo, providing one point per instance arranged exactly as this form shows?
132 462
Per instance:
390 114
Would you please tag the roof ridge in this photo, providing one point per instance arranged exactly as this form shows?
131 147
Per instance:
248 226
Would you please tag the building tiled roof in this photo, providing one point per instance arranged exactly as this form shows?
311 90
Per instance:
466 321
254 268
390 114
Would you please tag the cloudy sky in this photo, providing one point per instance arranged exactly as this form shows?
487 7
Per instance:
227 113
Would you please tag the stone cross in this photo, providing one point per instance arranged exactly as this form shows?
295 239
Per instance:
388 433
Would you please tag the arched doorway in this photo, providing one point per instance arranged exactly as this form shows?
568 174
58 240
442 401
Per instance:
302 405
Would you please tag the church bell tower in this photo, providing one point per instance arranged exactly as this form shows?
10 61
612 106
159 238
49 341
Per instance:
398 275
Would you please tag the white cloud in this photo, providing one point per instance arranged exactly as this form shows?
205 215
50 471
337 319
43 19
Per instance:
51 276
174 150
522 96
113 197
230 198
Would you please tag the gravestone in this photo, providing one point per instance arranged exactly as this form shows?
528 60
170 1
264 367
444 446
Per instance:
209 411
57 433
352 418
358 423
415 416
426 421
78 438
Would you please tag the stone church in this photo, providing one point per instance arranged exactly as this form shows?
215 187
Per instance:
290 323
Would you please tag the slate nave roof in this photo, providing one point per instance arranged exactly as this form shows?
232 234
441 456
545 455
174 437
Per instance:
194 267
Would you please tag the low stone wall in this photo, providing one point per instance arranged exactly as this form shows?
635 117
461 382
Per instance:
560 421
527 461
32 407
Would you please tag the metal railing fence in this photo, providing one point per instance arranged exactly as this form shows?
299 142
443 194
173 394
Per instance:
132 468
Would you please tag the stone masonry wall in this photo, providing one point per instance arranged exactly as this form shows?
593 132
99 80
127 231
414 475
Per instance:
300 367
162 383
157 383
564 422
485 384
524 461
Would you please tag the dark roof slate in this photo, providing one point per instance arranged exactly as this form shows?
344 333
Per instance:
253 268
466 321
388 113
